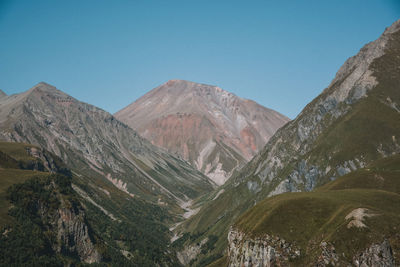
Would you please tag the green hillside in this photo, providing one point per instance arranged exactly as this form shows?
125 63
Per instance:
307 219
117 223
16 166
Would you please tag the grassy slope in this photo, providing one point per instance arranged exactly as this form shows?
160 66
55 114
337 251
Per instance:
12 154
16 150
310 218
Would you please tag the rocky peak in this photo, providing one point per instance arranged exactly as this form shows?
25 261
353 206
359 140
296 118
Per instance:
259 251
354 78
196 89
47 90
44 85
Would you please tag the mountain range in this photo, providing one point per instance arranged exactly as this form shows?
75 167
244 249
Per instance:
92 142
192 175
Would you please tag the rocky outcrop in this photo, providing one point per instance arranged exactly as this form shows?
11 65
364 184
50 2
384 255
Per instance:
268 251
216 131
262 251
46 161
73 235
377 255
328 256
68 225
190 252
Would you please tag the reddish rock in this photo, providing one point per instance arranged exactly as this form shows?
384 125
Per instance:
214 130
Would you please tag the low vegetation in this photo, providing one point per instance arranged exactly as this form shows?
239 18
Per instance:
309 218
139 235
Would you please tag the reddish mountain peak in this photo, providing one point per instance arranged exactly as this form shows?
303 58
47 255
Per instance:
215 130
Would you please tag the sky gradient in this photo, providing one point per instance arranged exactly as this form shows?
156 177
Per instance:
281 54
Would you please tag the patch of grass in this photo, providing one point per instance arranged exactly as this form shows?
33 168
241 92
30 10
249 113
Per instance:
17 150
383 174
221 262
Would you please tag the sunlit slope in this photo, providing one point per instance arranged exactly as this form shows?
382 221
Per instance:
309 218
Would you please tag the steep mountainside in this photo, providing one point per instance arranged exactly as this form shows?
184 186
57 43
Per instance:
213 129
92 142
354 121
51 217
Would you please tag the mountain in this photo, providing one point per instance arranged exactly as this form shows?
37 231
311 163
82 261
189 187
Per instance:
95 144
353 122
214 130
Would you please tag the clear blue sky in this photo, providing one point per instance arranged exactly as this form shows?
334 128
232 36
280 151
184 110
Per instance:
108 53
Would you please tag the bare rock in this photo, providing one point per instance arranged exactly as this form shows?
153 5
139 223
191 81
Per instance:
377 255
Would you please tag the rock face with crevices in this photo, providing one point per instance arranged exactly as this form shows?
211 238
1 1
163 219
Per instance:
377 255
190 252
216 131
265 251
73 234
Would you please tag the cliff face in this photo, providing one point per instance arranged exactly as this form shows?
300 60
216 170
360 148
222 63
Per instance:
216 131
68 223
268 251
380 254
73 235
263 251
